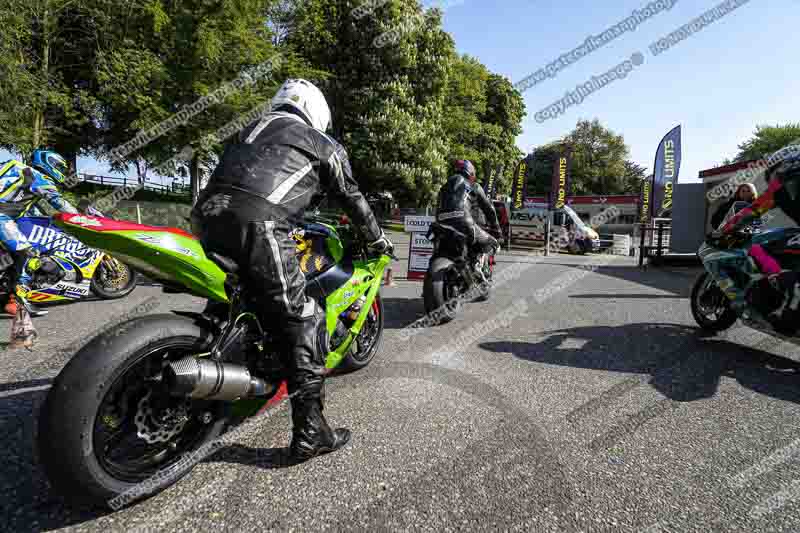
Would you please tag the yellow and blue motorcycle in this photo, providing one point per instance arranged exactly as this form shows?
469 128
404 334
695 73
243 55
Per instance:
66 269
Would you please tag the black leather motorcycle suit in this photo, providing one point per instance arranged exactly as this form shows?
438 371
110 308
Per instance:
457 199
278 168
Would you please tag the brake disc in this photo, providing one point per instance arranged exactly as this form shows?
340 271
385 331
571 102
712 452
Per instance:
154 430
115 276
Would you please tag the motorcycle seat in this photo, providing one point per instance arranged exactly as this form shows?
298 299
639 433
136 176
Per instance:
437 228
227 264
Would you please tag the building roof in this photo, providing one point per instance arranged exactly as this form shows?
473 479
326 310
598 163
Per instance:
726 169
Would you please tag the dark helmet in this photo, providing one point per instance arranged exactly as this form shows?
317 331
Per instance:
465 168
784 163
50 164
783 176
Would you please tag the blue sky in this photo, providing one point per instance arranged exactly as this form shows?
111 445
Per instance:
719 83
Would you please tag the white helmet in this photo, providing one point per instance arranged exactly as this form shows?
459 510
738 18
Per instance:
306 98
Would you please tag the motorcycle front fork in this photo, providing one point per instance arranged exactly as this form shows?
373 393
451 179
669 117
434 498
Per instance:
734 294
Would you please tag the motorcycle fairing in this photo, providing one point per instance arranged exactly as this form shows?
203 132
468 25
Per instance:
167 254
736 272
71 256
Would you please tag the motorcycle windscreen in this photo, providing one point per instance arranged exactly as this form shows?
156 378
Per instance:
735 208
169 255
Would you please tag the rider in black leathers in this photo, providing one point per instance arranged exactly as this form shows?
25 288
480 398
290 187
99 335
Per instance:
277 169
457 198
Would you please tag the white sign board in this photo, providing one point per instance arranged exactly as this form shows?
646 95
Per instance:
420 242
419 247
418 262
418 223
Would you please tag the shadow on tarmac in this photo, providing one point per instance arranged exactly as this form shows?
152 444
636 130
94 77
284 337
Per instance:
678 282
24 490
684 364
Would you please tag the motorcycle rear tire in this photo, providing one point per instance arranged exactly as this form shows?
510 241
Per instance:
435 291
66 432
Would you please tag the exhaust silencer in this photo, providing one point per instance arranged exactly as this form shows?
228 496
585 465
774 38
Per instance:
212 380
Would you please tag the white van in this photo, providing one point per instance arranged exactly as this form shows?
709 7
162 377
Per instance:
529 224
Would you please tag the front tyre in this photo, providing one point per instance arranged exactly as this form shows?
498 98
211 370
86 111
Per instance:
440 292
368 342
577 247
113 279
100 434
711 309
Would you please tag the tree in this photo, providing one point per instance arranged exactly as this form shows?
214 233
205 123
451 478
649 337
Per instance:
465 105
172 55
45 64
767 140
599 157
540 177
109 77
600 163
632 179
404 104
505 110
385 78
483 117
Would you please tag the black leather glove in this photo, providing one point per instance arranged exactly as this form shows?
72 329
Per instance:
383 245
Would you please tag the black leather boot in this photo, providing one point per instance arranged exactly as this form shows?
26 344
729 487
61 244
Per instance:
311 435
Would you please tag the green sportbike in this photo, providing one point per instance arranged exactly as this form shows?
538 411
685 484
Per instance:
143 395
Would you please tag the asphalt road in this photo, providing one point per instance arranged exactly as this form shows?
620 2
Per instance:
576 399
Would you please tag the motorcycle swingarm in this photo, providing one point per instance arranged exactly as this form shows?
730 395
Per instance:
226 335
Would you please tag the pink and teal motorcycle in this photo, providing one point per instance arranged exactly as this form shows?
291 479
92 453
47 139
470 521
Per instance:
139 398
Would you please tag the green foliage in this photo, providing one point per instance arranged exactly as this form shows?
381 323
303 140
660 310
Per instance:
632 179
45 63
406 106
767 140
541 176
600 162
484 116
599 157
166 57
88 76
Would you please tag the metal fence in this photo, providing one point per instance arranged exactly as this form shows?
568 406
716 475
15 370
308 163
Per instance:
654 239
176 187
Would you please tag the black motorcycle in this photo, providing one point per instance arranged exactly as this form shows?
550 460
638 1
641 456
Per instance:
455 275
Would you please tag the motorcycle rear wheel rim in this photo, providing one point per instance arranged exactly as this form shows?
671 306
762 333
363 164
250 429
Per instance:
161 457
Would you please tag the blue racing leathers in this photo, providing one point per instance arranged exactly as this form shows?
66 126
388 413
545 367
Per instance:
20 188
